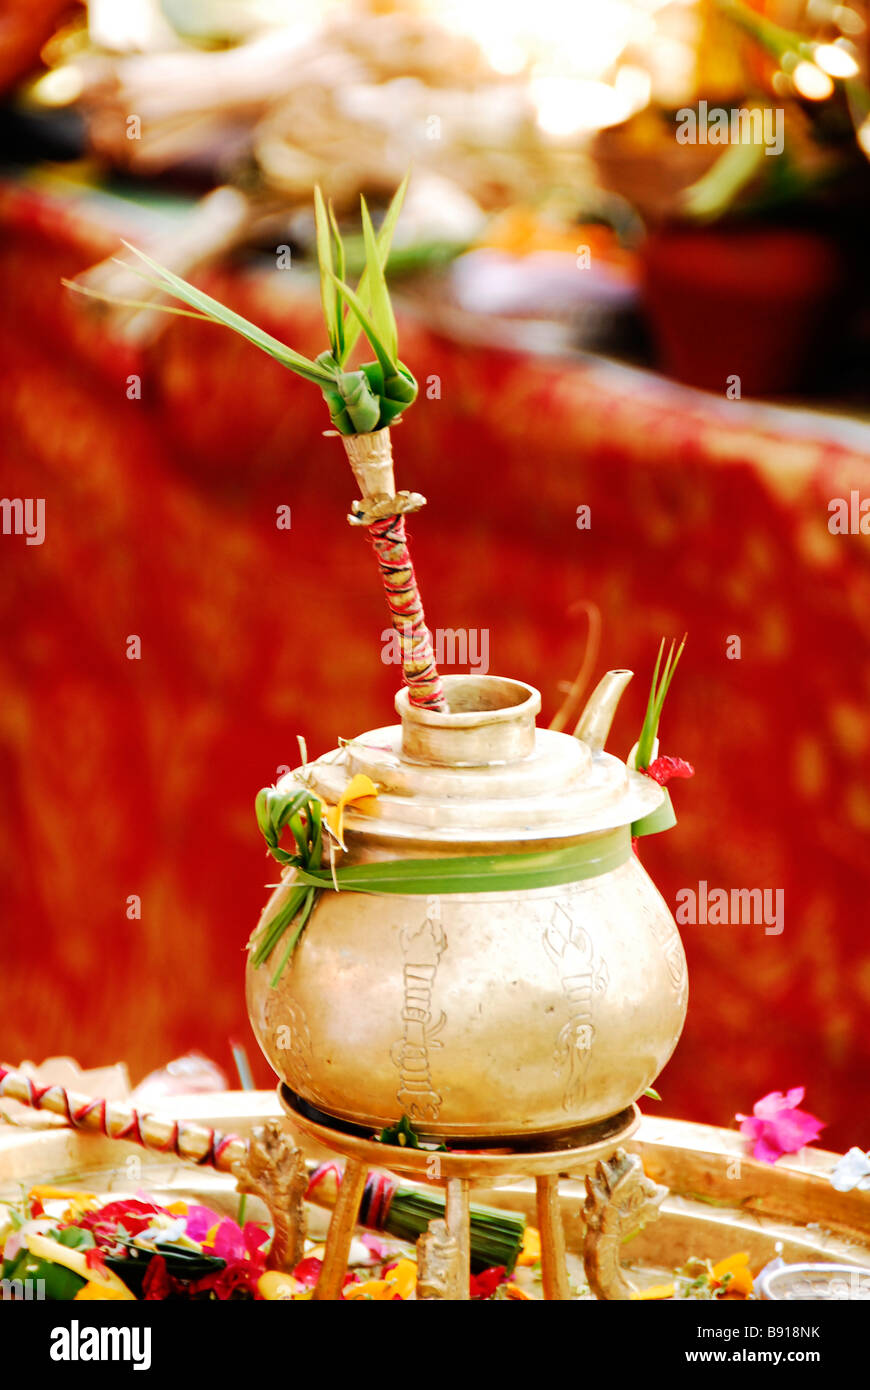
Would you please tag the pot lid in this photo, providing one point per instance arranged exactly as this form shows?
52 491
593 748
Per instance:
482 772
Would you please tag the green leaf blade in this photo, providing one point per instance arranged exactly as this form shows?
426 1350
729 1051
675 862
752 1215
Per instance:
352 326
387 363
382 314
197 299
328 297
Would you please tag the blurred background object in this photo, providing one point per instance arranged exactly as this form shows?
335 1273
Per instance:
672 332
191 1075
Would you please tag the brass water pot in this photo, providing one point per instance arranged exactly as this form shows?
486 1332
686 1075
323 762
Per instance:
481 1015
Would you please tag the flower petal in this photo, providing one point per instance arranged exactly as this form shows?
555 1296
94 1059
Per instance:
766 1149
852 1170
200 1220
795 1096
664 768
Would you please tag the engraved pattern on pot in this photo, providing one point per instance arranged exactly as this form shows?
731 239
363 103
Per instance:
668 938
422 949
583 974
293 1040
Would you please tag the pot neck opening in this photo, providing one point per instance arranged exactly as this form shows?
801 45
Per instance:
489 721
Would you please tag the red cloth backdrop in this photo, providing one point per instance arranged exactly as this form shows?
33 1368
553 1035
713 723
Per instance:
137 777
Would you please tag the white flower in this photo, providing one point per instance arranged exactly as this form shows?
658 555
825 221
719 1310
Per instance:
853 1170
163 1228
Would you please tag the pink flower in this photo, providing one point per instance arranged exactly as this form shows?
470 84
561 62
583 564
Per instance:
778 1126
231 1243
199 1221
378 1248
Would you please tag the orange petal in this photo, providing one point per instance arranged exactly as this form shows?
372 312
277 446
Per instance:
46 1193
372 1288
99 1293
731 1265
403 1278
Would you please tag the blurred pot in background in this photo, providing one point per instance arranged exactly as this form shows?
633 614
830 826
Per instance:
754 203
751 302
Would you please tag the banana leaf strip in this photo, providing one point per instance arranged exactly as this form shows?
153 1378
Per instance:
479 873
662 818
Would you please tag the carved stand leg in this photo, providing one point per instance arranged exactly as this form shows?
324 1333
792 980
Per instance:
554 1271
341 1229
620 1199
438 1261
274 1170
459 1225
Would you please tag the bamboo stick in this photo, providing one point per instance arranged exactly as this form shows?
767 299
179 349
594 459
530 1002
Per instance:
194 1143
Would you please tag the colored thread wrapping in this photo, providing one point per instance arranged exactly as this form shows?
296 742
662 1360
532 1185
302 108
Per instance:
122 1122
377 1198
390 544
371 459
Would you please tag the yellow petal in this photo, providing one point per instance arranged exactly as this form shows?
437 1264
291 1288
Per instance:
361 793
531 1249
99 1293
358 786
46 1193
655 1291
276 1285
187 1243
514 1291
46 1249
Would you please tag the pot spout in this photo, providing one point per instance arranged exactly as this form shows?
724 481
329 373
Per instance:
593 726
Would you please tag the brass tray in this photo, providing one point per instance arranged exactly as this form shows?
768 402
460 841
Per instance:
720 1201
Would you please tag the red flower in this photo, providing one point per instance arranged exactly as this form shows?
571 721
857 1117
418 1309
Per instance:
94 1259
484 1285
239 1274
133 1215
308 1271
157 1283
663 769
